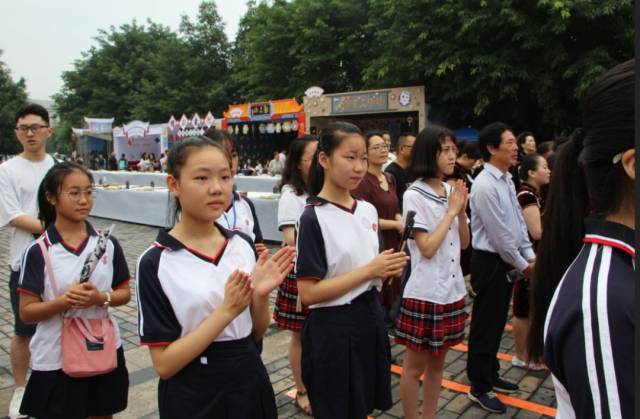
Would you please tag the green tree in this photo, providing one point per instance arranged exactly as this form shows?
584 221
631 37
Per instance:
284 47
148 72
524 62
12 96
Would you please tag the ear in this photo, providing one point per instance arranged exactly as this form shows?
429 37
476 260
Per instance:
51 198
173 185
491 149
629 163
323 159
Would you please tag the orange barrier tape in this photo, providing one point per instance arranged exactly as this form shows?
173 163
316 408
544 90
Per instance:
461 347
508 400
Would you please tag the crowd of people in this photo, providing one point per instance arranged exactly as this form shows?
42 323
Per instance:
375 244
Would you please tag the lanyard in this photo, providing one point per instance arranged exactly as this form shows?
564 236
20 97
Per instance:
235 215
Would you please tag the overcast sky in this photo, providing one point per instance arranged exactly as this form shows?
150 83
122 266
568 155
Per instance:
40 39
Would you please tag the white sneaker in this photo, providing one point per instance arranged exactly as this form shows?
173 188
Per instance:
517 362
16 401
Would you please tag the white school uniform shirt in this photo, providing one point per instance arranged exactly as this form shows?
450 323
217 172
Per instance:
178 287
66 262
290 206
334 240
439 279
241 216
19 182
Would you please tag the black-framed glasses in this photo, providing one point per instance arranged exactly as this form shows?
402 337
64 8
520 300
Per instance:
35 128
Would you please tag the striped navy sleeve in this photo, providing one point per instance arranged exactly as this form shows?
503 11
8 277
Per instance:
257 232
311 259
121 272
32 272
157 322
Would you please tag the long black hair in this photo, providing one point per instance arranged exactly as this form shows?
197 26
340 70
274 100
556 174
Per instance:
176 160
51 185
586 182
291 175
330 139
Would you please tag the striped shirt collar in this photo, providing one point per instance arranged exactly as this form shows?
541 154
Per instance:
607 233
427 191
53 236
165 240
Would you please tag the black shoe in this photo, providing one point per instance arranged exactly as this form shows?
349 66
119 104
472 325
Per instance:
488 401
502 386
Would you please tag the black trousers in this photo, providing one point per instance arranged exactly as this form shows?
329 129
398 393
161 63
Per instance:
489 316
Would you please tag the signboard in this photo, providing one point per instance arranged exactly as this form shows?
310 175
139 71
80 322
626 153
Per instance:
260 111
360 103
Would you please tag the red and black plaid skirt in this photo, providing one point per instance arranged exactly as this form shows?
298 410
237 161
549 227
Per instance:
425 326
285 314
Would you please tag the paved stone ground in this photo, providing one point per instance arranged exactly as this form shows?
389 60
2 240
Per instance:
534 386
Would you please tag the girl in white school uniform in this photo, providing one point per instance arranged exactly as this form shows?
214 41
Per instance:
289 314
203 299
65 198
339 269
432 314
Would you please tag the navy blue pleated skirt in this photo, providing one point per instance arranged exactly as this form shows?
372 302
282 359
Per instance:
227 381
345 359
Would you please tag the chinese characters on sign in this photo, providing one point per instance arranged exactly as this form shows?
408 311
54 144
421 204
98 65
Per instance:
359 103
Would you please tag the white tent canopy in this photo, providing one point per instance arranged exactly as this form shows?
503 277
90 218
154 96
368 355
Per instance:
138 137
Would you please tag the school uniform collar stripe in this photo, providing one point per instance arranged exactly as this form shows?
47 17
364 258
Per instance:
589 347
608 366
53 236
428 193
606 241
166 241
316 201
611 234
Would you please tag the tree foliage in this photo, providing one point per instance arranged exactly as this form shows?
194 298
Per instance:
12 96
148 72
527 63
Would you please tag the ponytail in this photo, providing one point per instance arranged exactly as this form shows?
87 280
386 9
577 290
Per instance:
46 211
316 174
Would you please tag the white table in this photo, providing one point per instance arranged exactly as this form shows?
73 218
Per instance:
243 183
152 208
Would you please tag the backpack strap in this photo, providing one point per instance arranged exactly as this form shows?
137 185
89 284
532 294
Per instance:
47 264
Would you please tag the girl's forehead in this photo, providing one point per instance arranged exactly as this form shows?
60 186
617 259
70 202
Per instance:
354 141
76 178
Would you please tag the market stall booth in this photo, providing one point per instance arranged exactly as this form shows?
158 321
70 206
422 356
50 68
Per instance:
94 137
398 110
261 128
138 137
177 129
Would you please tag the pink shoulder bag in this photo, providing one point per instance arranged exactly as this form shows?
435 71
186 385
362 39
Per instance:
88 345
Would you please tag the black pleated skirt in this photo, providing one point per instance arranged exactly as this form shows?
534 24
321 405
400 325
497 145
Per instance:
55 395
345 361
228 380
